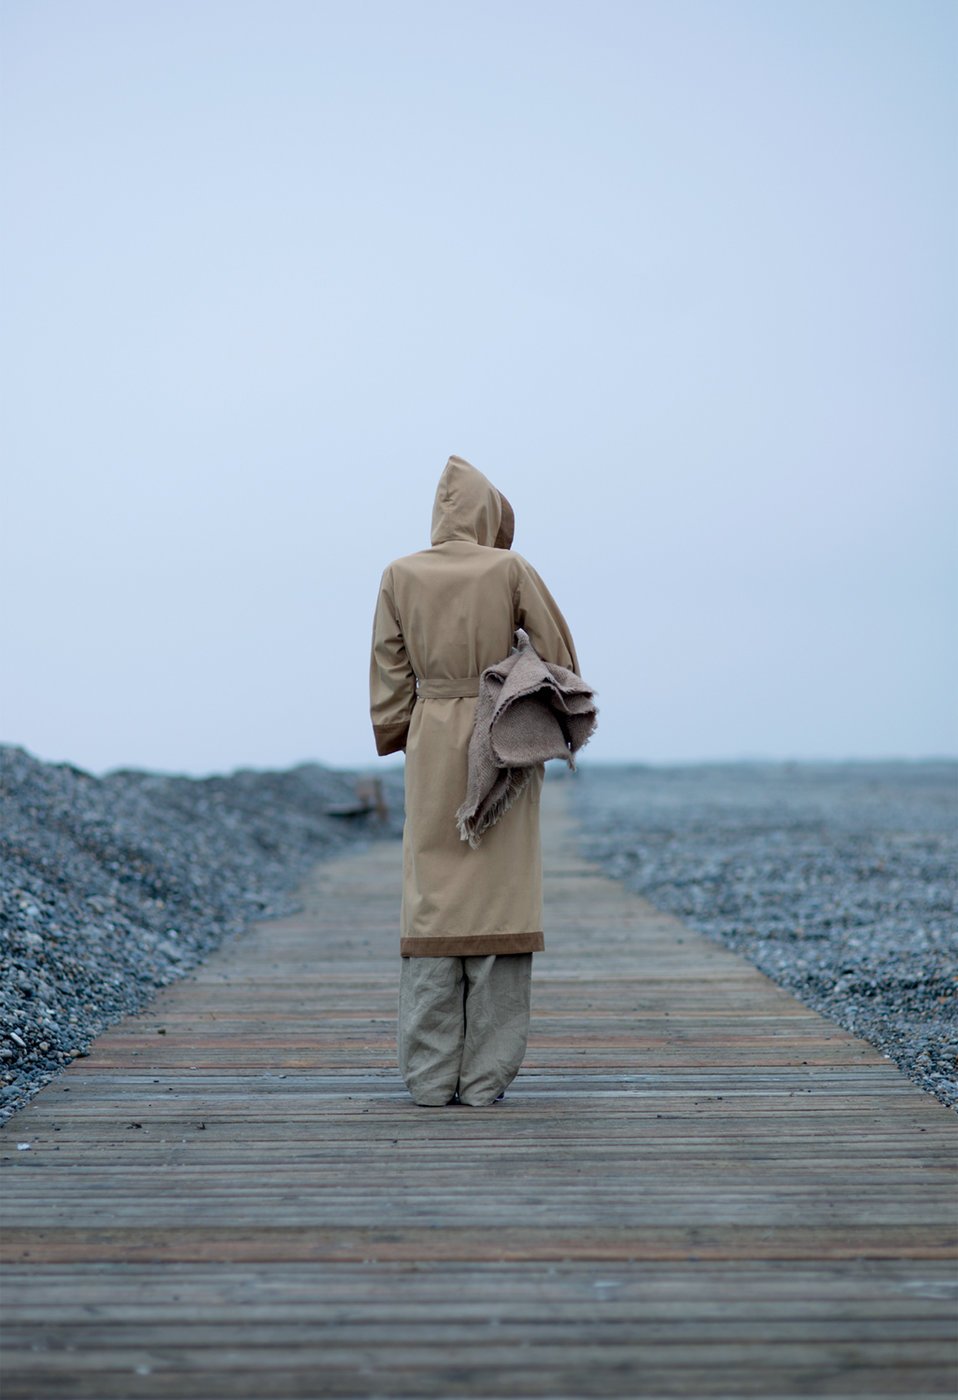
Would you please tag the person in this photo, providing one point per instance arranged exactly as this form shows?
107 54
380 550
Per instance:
470 919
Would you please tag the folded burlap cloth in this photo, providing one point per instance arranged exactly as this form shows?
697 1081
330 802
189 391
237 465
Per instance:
528 711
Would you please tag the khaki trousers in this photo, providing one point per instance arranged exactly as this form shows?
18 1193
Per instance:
463 1026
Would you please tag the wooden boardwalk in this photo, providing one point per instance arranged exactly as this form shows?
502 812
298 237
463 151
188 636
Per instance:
696 1187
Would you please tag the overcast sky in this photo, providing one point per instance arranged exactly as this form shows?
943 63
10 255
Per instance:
677 275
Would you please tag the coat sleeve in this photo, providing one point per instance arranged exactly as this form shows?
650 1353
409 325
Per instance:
538 613
392 681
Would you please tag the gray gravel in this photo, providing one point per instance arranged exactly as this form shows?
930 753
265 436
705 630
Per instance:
837 880
113 887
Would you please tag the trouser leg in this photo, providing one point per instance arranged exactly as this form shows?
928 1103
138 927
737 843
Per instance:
431 1027
497 1024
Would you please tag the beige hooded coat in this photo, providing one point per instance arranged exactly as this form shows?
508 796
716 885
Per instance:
442 616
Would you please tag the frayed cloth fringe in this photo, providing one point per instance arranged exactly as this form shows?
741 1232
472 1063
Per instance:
471 828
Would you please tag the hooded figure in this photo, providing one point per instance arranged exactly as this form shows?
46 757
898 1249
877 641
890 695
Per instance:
471 918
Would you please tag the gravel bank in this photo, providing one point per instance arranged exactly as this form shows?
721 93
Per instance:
837 880
112 887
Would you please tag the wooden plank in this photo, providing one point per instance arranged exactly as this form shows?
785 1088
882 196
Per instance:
620 1241
697 1186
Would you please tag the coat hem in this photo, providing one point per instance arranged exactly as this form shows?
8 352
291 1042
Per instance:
471 945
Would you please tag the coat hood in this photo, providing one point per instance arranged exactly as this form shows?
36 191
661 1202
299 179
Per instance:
468 507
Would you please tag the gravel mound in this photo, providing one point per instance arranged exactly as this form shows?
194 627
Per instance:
837 880
112 887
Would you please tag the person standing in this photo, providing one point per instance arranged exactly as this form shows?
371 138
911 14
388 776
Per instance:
470 919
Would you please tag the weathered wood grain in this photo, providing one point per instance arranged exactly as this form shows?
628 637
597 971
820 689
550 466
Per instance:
697 1187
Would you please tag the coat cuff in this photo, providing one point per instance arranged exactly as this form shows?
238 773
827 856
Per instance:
390 738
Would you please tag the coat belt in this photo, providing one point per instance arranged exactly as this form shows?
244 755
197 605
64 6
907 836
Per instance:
448 690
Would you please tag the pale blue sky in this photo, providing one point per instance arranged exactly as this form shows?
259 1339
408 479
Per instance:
679 277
